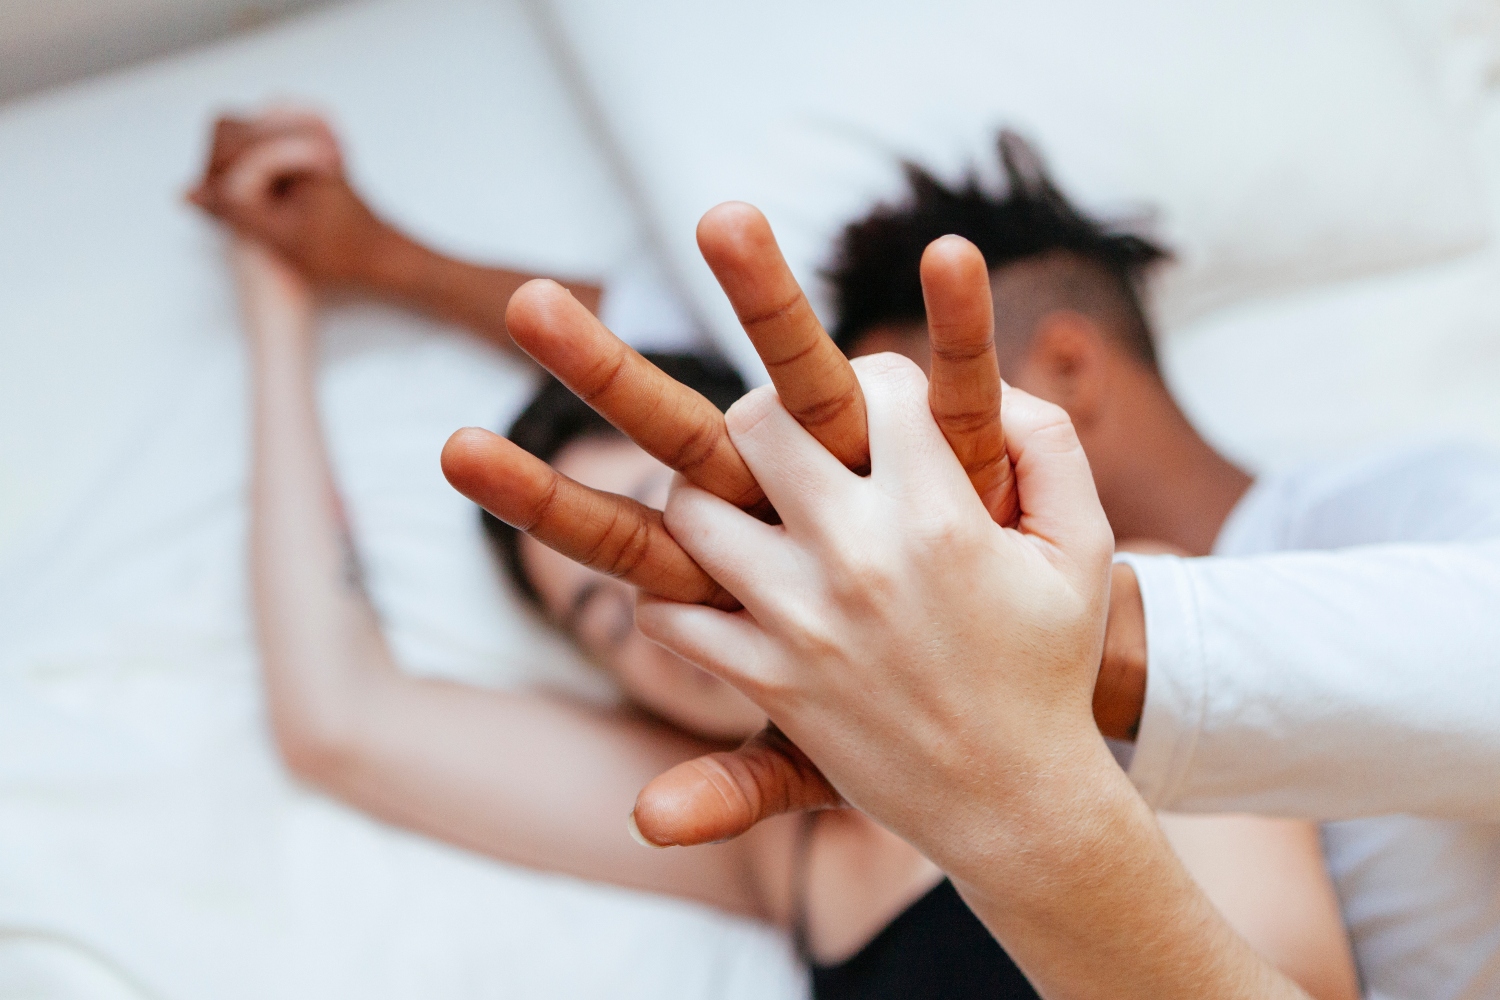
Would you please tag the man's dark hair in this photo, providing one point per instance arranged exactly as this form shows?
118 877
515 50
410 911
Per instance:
875 271
555 418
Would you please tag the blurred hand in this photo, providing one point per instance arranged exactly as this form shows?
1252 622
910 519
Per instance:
278 178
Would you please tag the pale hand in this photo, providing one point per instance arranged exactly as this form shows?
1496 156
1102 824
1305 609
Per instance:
725 794
931 660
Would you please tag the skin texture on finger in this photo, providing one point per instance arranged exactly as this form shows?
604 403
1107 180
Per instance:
741 552
899 415
810 373
800 472
964 386
672 423
1059 503
612 534
721 795
726 794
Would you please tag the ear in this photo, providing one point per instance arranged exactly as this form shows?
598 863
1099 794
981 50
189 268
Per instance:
1067 363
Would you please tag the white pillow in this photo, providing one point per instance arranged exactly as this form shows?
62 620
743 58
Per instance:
1284 143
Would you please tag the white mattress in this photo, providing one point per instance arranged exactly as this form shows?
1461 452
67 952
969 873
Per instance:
150 843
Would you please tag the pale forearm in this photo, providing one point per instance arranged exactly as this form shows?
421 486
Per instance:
319 639
1087 895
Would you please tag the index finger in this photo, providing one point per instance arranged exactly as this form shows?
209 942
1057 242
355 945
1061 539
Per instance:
674 424
614 535
811 375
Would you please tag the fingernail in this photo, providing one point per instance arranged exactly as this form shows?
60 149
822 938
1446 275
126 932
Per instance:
637 836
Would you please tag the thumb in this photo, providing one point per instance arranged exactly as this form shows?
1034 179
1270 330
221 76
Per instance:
722 795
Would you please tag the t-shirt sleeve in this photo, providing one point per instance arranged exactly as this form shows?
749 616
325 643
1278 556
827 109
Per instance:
1325 685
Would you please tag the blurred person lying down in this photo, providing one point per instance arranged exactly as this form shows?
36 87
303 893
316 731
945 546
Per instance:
538 780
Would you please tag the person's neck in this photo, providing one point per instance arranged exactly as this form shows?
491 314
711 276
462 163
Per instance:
1179 490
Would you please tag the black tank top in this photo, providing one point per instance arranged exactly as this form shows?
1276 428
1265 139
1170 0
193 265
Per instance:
936 948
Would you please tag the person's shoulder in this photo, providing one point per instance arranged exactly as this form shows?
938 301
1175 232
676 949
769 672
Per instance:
1417 490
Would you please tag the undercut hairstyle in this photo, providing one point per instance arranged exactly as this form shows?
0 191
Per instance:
1081 263
555 418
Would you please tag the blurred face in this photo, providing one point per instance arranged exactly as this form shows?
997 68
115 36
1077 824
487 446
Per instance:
599 612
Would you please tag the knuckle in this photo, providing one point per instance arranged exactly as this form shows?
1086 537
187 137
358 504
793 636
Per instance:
1056 433
861 581
680 515
541 508
622 547
893 377
695 448
750 409
826 410
952 343
966 421
604 376
810 635
734 783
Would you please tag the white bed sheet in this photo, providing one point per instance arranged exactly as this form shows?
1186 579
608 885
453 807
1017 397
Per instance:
148 836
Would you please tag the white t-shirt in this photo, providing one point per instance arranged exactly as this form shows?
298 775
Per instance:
1350 685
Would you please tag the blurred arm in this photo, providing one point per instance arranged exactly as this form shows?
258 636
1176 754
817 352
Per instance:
1267 877
524 778
279 179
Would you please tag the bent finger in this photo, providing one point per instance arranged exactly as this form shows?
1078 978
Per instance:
808 485
276 161
1054 485
810 373
964 385
611 534
721 795
748 558
674 424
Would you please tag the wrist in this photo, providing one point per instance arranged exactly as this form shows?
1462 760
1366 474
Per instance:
1120 691
1015 845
